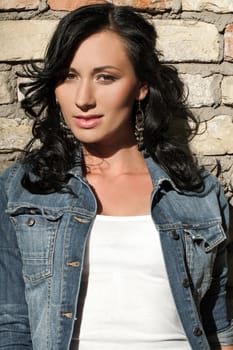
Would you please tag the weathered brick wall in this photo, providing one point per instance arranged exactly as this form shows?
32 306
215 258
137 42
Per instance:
194 35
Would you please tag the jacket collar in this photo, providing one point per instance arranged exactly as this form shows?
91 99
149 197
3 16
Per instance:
158 175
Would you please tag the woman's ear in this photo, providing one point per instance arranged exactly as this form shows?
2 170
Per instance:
142 91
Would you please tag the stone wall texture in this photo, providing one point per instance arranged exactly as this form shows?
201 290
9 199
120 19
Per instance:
194 35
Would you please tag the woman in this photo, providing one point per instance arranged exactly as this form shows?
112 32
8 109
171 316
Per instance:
111 236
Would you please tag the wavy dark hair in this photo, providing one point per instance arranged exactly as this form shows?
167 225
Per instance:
164 106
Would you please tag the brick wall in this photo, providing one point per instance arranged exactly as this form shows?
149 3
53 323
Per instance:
194 35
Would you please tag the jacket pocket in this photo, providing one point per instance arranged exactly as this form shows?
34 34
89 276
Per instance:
201 244
36 230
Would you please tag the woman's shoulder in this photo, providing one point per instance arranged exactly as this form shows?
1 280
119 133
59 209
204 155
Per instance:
211 182
13 173
210 186
12 169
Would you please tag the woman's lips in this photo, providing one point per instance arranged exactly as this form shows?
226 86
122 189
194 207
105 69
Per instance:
87 122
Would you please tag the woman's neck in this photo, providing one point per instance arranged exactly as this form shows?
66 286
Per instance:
124 160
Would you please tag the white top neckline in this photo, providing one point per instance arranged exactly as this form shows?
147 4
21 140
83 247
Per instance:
114 218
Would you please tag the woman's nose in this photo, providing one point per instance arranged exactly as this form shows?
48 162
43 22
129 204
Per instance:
85 98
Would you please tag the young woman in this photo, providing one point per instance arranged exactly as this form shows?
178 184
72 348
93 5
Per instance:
111 236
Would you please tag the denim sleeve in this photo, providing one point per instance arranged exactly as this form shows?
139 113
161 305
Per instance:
218 327
14 322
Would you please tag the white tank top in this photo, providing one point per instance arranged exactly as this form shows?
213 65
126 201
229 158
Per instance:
125 301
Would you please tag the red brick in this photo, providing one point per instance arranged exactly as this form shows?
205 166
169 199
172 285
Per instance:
159 5
18 4
69 5
228 43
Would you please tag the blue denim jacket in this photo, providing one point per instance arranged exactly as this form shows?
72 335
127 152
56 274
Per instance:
42 244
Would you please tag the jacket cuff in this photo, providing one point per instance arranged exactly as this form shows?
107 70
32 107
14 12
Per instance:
223 337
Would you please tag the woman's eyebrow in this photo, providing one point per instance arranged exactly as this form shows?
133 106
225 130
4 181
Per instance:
72 69
96 69
101 68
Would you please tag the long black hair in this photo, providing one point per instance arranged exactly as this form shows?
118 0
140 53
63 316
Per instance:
164 106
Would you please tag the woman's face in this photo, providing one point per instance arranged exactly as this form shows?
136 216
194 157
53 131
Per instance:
99 91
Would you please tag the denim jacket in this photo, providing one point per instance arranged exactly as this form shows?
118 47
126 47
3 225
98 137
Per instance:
42 244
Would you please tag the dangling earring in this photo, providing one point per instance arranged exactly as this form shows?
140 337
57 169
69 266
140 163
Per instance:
139 126
66 129
62 122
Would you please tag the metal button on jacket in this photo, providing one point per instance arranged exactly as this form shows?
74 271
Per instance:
174 235
197 332
30 222
185 283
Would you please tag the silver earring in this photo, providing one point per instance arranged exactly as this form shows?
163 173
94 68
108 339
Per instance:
139 126
66 129
62 122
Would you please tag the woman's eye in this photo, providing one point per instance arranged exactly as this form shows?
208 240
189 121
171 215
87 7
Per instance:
71 76
106 78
